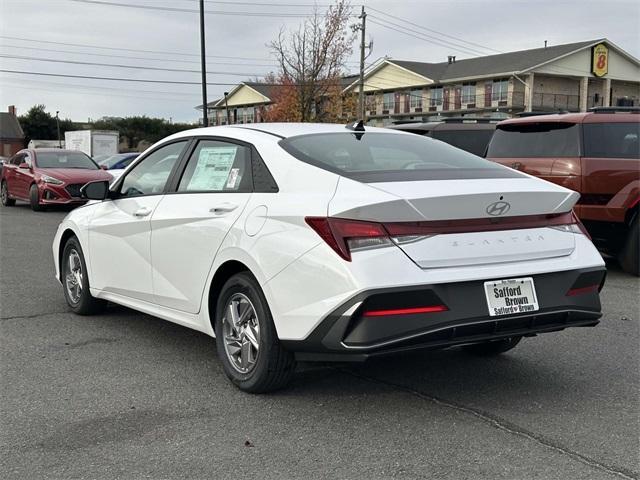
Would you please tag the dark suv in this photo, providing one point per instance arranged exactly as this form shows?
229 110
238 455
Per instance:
597 154
470 134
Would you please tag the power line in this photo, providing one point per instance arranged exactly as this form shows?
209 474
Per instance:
119 79
434 31
424 36
186 10
106 55
112 65
403 31
159 52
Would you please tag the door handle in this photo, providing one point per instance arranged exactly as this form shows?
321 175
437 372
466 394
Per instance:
223 208
142 212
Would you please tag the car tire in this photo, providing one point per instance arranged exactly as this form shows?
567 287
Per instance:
629 257
34 199
248 346
4 194
493 347
75 281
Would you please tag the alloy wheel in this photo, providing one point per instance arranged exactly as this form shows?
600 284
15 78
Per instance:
73 278
4 193
241 331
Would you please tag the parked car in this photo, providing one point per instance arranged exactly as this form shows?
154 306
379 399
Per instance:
119 161
48 177
597 154
318 242
469 134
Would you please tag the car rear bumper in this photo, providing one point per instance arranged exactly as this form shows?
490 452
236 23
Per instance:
346 334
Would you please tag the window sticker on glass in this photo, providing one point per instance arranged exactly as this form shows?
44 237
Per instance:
233 178
213 168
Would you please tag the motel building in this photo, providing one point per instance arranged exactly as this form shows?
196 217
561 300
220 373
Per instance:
571 77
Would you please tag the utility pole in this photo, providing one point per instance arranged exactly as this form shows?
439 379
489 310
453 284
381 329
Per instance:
58 127
363 17
205 113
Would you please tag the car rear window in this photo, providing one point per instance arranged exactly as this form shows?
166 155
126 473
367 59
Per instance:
544 139
386 157
472 141
65 160
612 140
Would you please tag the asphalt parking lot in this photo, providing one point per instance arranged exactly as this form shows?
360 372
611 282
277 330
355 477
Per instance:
125 395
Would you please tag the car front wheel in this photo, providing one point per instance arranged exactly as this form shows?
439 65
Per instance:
246 338
34 199
629 256
4 193
75 280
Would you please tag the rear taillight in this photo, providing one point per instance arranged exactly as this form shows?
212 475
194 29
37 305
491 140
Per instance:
575 226
344 235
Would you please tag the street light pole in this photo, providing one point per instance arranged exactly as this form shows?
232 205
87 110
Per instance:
58 127
205 112
226 107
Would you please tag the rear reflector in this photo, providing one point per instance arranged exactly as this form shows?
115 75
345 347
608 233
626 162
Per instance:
583 290
405 311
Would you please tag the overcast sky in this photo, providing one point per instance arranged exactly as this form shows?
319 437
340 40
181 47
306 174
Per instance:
117 34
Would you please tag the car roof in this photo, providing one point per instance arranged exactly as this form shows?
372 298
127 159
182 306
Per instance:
583 117
281 130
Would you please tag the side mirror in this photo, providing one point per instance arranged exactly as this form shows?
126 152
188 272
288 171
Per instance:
95 190
104 167
25 166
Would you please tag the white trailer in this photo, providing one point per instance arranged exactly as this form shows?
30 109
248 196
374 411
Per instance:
93 142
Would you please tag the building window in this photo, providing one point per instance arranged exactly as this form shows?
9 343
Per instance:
499 90
388 101
370 103
469 92
416 98
250 115
436 96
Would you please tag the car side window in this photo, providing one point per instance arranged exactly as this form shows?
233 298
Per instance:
17 159
217 166
150 175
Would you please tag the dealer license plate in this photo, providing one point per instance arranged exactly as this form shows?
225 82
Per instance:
509 297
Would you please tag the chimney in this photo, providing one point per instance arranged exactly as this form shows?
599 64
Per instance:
12 110
451 59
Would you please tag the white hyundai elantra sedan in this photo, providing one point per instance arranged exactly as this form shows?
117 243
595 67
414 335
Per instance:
323 242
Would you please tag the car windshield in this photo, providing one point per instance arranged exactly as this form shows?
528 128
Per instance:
530 140
113 159
65 160
387 157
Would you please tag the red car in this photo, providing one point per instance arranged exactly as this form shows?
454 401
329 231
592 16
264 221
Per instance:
48 177
595 153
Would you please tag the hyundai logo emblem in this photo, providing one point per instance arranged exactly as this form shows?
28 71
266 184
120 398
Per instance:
498 208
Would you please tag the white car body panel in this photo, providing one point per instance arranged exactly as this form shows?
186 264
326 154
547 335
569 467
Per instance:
164 263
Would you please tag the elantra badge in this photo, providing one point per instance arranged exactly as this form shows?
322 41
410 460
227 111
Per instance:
498 208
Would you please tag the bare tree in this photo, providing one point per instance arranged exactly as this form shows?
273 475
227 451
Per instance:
312 59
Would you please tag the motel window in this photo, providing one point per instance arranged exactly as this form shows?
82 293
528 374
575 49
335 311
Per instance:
499 90
370 102
388 101
250 115
416 98
469 92
436 96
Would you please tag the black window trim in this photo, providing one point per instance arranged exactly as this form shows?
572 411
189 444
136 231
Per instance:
115 188
254 157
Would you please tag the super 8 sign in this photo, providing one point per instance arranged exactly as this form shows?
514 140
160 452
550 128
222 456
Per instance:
600 60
